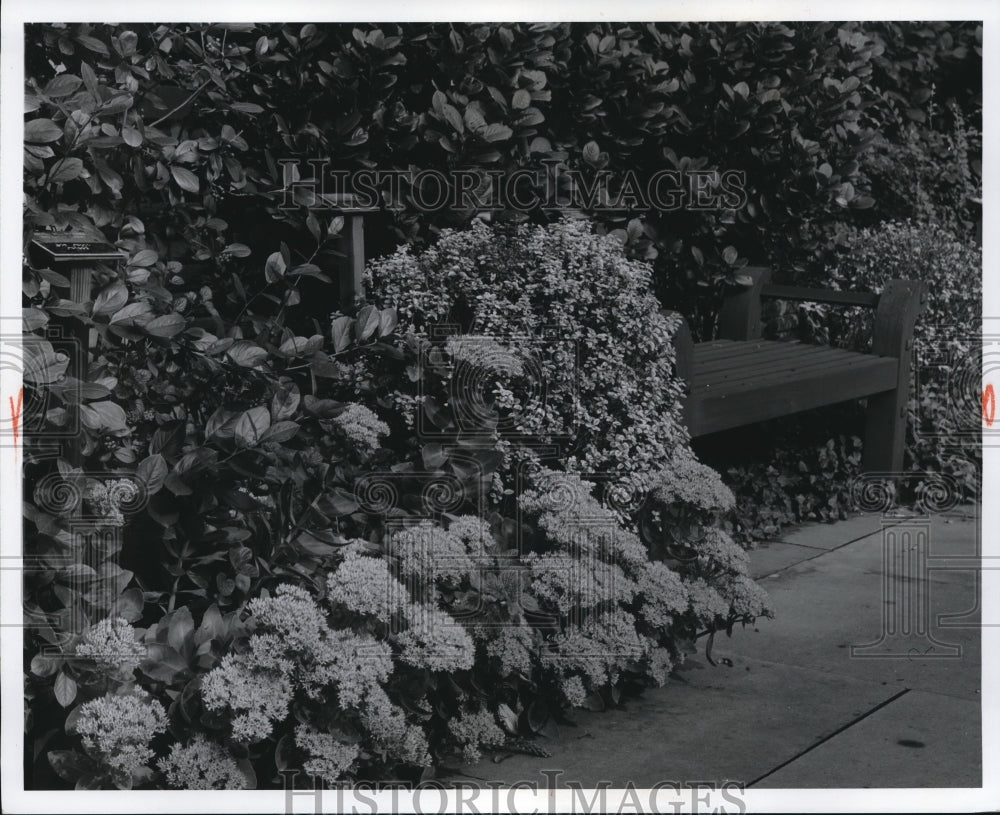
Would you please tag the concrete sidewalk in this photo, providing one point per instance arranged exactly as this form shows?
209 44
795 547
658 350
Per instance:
821 696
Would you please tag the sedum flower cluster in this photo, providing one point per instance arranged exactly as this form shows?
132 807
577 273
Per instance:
328 758
201 764
362 428
689 483
112 646
292 650
430 554
474 729
364 584
116 730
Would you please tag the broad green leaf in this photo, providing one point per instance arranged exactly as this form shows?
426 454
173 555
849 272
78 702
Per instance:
65 689
62 85
342 333
144 257
281 431
246 354
42 131
185 179
111 298
387 320
250 426
132 313
285 402
153 471
111 416
168 325
42 364
368 320
66 169
275 267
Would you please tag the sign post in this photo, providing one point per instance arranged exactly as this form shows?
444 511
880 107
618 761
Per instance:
74 255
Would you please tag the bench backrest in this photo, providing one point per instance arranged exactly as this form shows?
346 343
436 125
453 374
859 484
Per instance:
896 309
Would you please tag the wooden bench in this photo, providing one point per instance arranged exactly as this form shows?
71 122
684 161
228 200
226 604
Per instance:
739 378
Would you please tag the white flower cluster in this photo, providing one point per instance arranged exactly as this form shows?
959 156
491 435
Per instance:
329 758
564 582
747 597
429 554
362 428
363 584
258 695
689 482
116 730
112 646
662 595
201 764
392 732
577 523
474 533
353 663
435 640
292 649
573 690
472 730
598 648
718 551
513 646
706 602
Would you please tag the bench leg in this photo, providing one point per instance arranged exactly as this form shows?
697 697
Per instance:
885 433
899 305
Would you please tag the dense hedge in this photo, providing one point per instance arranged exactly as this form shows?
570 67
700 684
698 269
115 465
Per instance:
817 116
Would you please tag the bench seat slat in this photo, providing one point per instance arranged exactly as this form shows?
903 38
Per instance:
783 354
724 349
804 359
816 372
778 393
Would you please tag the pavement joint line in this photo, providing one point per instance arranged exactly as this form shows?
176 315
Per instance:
820 551
825 739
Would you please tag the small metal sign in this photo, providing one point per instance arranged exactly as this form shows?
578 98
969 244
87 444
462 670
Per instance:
75 247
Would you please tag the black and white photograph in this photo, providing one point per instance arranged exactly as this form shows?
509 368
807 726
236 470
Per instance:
584 414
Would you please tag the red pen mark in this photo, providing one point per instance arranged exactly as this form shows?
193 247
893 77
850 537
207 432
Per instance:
989 405
15 411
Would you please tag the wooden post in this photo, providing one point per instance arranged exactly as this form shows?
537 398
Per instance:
885 422
352 266
739 318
